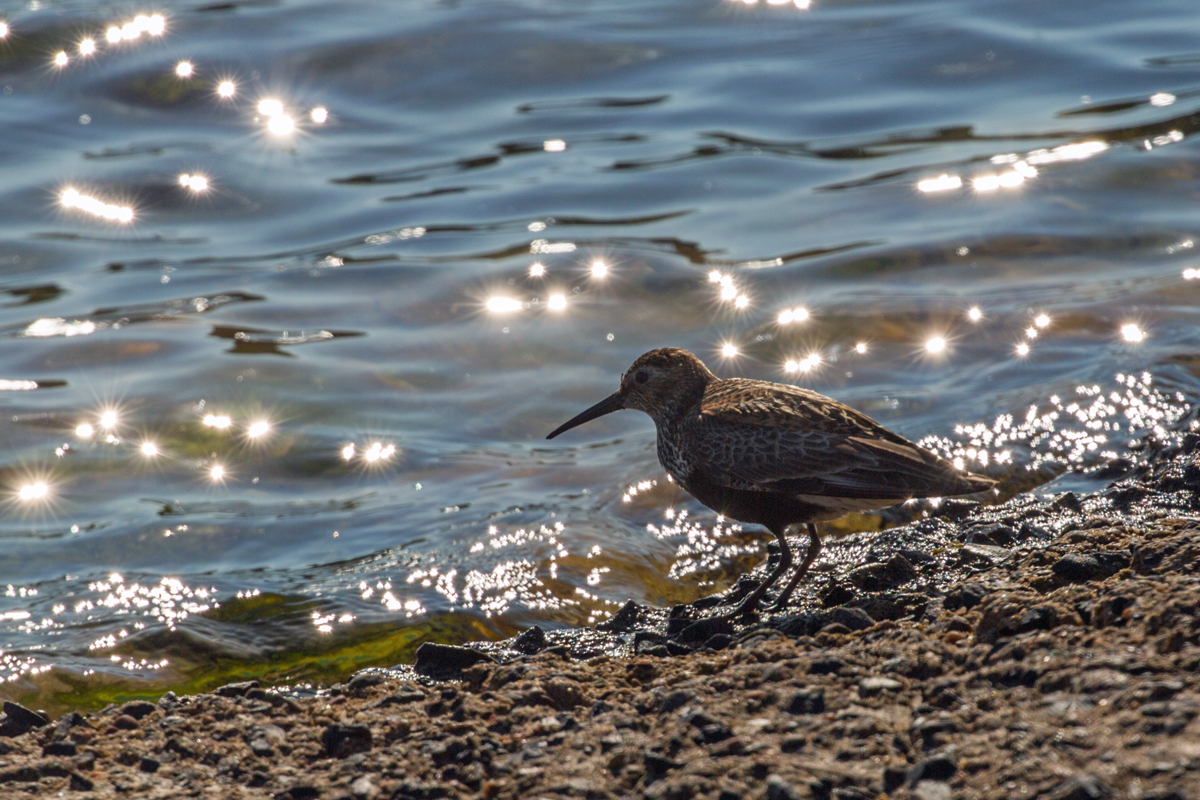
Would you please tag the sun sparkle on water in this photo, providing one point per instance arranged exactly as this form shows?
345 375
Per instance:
1132 333
33 491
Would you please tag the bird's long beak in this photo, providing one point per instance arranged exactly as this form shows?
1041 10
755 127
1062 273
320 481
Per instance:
614 402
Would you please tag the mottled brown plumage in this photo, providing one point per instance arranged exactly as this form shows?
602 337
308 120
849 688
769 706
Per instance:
773 454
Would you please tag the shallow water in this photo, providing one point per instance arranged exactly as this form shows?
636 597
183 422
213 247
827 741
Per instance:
366 286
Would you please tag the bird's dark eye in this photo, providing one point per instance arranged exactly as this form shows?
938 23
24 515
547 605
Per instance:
641 377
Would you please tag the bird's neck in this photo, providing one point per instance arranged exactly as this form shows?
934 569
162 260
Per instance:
679 406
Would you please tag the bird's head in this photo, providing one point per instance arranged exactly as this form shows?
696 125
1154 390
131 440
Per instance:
656 383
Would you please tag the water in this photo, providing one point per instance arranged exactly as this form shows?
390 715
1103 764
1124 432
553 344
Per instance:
365 288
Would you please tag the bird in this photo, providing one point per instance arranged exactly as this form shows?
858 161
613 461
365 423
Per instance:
772 454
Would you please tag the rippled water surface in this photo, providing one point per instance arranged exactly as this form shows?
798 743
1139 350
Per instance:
276 376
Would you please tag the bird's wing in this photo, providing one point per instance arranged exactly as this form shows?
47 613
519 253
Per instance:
768 437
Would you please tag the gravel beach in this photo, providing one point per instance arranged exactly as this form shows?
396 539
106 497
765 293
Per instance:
1041 648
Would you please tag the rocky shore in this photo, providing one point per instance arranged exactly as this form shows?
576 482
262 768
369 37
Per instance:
1041 648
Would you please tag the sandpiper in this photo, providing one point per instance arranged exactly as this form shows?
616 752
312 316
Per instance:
773 454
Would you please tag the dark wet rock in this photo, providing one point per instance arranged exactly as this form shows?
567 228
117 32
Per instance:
18 719
676 700
893 779
896 572
647 648
411 790
966 596
238 689
138 709
445 661
829 665
807 701
148 764
995 534
302 792
718 641
125 722
345 740
657 766
530 641
79 783
836 594
937 768
60 749
1168 554
892 605
928 733
68 721
812 622
625 619
362 681
704 629
1076 567
983 555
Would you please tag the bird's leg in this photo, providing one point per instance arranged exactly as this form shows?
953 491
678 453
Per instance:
814 547
750 602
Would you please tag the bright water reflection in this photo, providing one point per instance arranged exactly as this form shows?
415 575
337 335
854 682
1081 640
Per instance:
286 324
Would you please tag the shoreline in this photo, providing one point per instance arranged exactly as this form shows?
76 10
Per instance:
1034 649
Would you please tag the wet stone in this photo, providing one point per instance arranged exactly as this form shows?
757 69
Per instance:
966 597
79 783
18 719
657 766
530 641
445 661
148 764
812 622
994 534
345 740
236 689
138 709
892 605
676 700
705 629
807 701
718 641
893 779
830 665
937 768
623 620
897 571
69 720
125 723
363 681
60 749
